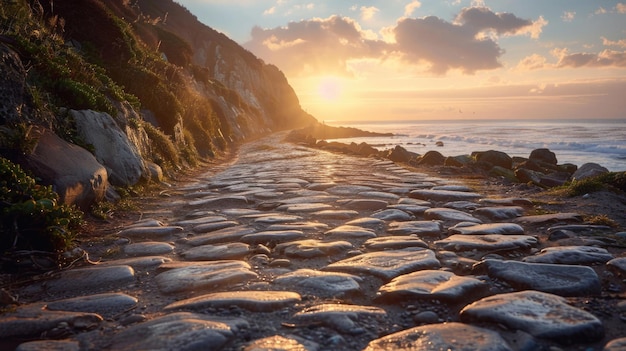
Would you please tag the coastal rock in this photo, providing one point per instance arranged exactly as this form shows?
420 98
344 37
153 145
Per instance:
571 255
443 336
615 345
341 317
564 280
500 213
543 155
229 251
148 249
400 154
34 320
432 158
443 195
565 217
74 173
282 343
431 284
313 248
392 215
256 301
327 284
419 228
493 158
277 236
540 314
618 265
350 232
489 228
448 214
365 204
488 242
387 264
177 331
589 170
111 146
106 305
49 345
394 243
221 236
97 278
212 274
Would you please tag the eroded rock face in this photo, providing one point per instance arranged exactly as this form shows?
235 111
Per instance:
111 146
74 173
12 86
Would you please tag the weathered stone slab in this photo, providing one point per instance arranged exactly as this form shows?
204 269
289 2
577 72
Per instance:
97 278
313 248
220 202
211 227
444 336
325 284
380 195
387 264
299 226
222 235
335 214
564 280
49 345
367 222
488 242
394 243
304 207
282 343
462 205
255 301
449 214
571 255
500 213
540 314
150 232
106 305
549 218
431 284
350 232
229 251
145 262
507 201
177 331
213 274
276 218
618 265
341 317
201 220
277 236
419 228
152 248
34 320
615 345
444 195
365 204
347 190
490 228
392 215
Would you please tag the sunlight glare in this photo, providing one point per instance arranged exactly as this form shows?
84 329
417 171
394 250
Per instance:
330 88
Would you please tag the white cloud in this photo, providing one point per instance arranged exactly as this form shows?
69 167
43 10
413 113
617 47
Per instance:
532 62
568 16
605 58
368 13
600 11
411 7
620 43
620 8
270 11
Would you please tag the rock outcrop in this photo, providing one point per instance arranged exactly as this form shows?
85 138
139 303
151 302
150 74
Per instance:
74 173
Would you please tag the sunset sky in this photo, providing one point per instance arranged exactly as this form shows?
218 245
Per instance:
437 59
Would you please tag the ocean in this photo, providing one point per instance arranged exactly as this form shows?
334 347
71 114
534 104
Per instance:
573 141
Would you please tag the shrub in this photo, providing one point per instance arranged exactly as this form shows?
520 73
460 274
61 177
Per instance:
611 181
163 148
30 216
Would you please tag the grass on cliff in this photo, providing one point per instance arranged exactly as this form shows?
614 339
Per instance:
612 181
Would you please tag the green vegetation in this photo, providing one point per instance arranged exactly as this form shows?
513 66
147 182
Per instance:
614 181
30 216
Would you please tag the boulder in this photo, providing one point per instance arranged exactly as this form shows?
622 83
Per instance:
400 154
589 170
457 161
112 147
364 149
432 158
543 155
494 158
74 173
526 175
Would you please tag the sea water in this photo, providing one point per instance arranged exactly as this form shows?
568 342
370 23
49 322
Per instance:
573 141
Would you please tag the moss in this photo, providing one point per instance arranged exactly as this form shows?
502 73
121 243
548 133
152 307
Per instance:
30 216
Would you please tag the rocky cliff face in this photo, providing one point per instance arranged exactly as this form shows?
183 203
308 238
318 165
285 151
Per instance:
170 88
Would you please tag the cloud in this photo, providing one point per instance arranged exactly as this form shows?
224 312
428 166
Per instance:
605 58
468 44
620 8
600 11
368 13
532 62
444 46
314 46
568 16
620 43
270 11
411 7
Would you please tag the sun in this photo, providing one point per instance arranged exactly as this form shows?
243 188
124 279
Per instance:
330 88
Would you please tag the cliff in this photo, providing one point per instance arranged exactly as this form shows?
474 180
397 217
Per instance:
142 86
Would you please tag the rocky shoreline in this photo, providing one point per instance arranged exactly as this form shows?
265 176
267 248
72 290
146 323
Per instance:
294 247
